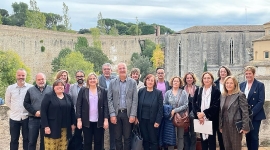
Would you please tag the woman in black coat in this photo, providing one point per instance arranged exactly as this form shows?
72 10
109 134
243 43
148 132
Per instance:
92 113
57 117
206 108
150 110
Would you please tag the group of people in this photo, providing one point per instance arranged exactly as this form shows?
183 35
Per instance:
73 116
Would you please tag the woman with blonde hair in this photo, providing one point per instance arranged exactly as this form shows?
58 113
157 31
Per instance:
233 108
63 75
92 112
178 99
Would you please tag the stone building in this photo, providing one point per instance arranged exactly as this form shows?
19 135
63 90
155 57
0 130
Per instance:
218 45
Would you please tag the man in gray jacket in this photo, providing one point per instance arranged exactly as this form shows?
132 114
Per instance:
32 103
122 103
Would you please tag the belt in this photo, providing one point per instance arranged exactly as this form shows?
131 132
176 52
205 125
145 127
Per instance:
122 110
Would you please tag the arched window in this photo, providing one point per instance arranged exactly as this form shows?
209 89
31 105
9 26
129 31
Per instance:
231 51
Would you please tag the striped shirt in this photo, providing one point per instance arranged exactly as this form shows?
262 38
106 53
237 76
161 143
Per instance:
14 98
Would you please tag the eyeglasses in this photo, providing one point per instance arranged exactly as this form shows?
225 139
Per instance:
79 76
160 73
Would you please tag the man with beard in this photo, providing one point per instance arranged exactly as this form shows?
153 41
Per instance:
77 139
14 97
104 82
32 103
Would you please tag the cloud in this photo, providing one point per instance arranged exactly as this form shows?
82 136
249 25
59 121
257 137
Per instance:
176 14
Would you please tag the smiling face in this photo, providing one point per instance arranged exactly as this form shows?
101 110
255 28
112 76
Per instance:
135 76
64 77
122 70
229 85
176 83
150 82
189 79
223 73
106 70
21 76
40 80
92 80
59 88
207 80
249 76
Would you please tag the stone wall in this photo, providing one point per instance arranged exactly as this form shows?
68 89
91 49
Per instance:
27 43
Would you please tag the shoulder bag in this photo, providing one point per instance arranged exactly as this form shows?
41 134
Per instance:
181 119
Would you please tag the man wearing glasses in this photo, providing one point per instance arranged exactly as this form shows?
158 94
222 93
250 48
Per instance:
162 84
77 139
104 82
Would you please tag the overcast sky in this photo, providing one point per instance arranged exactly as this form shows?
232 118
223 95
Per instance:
175 14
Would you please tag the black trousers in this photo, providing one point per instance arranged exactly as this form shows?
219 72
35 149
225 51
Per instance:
149 135
15 127
122 128
88 133
76 141
210 143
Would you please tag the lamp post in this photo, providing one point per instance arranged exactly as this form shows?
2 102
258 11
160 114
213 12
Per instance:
142 45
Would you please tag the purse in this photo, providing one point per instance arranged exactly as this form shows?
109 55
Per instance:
181 119
137 140
239 124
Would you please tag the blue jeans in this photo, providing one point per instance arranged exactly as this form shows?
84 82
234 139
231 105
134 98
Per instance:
14 128
34 131
252 138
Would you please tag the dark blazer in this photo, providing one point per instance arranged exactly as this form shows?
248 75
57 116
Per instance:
51 115
156 106
238 101
217 83
82 106
256 98
212 113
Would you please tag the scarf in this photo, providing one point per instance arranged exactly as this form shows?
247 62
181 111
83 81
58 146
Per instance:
206 99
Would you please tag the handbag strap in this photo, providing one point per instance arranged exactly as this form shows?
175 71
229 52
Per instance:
178 97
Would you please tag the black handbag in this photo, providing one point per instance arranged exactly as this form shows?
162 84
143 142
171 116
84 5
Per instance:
137 140
239 124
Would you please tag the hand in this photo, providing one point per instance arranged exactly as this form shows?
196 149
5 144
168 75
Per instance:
200 115
156 125
105 124
79 123
243 131
113 120
37 114
73 127
136 121
201 121
220 130
131 119
47 130
172 113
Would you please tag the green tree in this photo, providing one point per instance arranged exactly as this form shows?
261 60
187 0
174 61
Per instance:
4 13
52 20
19 16
61 28
122 29
205 66
144 64
134 30
84 31
147 29
66 18
101 24
75 61
81 42
94 55
95 32
34 18
56 65
113 31
149 48
1 19
10 62
134 56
